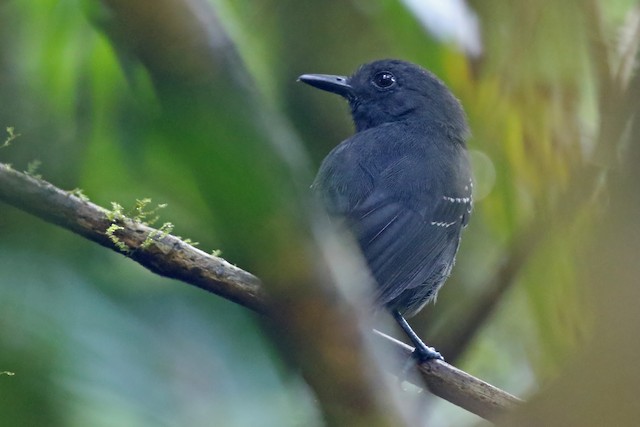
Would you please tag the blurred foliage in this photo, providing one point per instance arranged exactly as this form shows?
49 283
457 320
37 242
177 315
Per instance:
95 340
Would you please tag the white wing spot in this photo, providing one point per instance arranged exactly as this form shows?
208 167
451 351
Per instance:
457 199
442 224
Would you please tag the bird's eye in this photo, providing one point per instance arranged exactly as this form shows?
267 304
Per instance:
384 80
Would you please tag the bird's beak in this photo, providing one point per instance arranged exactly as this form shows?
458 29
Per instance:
335 84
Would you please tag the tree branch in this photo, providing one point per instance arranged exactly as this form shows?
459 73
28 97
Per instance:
457 386
167 256
171 257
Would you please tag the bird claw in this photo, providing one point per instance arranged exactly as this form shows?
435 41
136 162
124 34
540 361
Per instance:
424 353
419 355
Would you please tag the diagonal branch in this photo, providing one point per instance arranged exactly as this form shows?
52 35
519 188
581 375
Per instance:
457 386
171 257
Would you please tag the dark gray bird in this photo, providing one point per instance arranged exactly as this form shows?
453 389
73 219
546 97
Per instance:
402 183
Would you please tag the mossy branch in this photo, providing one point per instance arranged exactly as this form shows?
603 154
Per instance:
153 248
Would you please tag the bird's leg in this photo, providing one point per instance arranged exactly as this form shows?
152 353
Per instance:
422 352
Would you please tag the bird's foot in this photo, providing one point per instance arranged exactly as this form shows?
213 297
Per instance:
419 355
422 353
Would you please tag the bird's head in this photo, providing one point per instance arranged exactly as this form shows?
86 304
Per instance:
392 90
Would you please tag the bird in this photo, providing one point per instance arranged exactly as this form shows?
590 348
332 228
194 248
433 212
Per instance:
401 184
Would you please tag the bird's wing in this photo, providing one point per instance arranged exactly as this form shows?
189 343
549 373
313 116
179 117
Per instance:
407 248
406 223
